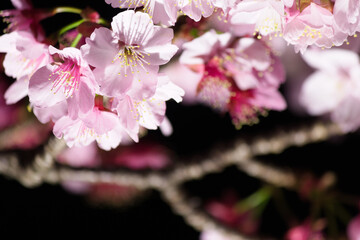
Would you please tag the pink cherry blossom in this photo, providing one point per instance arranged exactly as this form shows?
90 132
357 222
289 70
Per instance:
347 15
258 17
306 232
193 9
336 75
86 156
11 113
24 56
128 57
71 80
353 229
212 235
238 76
155 9
141 156
314 25
97 125
25 18
148 112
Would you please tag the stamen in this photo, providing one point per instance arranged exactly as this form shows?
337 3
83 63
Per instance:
68 78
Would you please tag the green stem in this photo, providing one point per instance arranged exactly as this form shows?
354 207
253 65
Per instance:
332 223
70 26
67 10
256 199
103 22
76 40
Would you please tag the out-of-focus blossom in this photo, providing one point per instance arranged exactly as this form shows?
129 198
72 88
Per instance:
87 156
25 18
334 88
238 76
212 235
226 211
347 15
140 156
24 56
307 232
353 229
28 135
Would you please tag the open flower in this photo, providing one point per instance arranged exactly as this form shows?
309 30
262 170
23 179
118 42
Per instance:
334 88
128 57
148 112
155 9
97 125
258 17
238 76
347 15
314 25
24 56
71 81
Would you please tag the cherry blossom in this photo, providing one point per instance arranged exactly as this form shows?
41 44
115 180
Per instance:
24 56
97 124
314 25
353 229
258 17
25 18
128 57
347 15
238 77
336 75
71 80
148 112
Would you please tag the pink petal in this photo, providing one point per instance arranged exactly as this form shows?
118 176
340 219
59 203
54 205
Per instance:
17 91
40 88
100 49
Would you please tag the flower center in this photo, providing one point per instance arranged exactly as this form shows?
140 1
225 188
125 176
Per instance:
131 58
67 78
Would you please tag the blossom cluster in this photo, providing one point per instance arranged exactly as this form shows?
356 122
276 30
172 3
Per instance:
107 85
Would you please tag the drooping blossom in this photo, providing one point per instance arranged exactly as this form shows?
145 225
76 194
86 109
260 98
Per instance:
334 88
193 9
70 81
97 125
314 25
353 228
148 112
155 9
258 17
127 59
347 15
238 76
24 56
